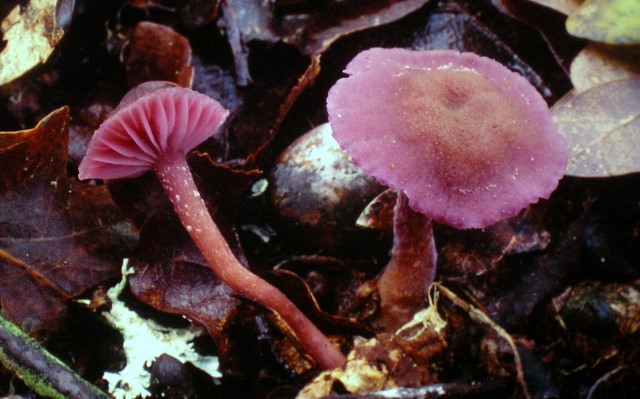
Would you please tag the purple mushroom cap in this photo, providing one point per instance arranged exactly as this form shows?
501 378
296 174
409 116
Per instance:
167 122
468 141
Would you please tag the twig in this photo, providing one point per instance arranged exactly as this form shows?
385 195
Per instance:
480 317
45 374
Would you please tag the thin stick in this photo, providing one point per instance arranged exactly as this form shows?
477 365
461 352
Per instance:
45 374
480 317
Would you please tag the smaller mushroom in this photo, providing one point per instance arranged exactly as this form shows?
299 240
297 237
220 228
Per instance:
464 139
154 133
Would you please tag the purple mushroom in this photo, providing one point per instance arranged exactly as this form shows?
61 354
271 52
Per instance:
154 133
467 141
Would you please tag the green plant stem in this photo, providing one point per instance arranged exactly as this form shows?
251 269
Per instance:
42 372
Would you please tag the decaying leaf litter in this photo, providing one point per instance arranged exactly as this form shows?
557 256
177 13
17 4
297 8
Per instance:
542 304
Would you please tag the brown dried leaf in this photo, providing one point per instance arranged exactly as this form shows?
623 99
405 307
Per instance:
57 238
469 252
453 25
564 6
157 52
408 357
299 291
34 153
551 25
331 282
598 321
262 114
378 214
315 30
182 285
601 126
514 288
31 33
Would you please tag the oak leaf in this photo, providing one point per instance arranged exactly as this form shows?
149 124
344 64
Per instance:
57 238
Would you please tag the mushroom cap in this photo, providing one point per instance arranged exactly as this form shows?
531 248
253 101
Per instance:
468 141
159 125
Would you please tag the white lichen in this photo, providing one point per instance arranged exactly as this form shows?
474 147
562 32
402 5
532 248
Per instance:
144 341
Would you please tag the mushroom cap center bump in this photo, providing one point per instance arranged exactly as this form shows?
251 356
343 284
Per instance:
444 115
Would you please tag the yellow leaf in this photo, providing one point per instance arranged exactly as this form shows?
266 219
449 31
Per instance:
607 21
31 33
602 128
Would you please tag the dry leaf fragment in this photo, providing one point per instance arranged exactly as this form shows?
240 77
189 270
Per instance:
564 6
157 52
601 126
57 238
607 21
598 64
31 34
316 32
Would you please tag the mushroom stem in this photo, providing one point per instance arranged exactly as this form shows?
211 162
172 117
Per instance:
177 181
404 283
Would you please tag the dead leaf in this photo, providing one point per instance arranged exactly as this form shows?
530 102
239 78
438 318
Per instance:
85 121
157 52
34 152
456 25
182 285
464 253
284 77
601 128
315 32
31 34
598 64
551 25
297 289
599 321
607 21
57 238
378 214
478 316
144 201
375 365
512 290
564 6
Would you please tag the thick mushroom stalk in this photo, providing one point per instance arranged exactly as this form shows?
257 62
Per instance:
404 283
155 132
467 141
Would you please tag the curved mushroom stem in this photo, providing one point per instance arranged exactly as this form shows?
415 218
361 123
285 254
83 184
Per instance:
177 180
404 283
